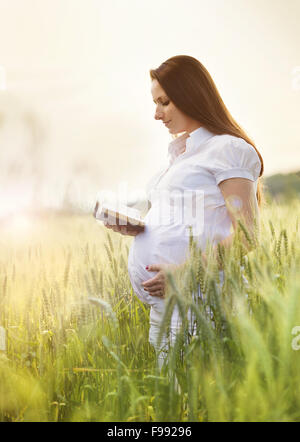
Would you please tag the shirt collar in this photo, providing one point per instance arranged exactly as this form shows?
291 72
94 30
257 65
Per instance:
187 142
177 147
198 137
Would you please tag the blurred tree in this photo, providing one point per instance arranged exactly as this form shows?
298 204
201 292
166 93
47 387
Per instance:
283 187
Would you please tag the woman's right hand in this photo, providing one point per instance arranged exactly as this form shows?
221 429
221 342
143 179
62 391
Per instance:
125 230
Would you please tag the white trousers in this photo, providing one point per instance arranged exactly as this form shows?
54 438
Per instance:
156 317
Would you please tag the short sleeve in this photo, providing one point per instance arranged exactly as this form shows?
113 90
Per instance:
235 158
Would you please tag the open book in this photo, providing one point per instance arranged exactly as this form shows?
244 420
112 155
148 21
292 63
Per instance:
119 214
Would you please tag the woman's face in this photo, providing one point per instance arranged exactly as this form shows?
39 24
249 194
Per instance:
175 120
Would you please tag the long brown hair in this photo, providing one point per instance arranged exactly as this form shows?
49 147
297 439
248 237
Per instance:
190 87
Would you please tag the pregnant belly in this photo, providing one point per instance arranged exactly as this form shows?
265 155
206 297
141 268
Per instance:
156 245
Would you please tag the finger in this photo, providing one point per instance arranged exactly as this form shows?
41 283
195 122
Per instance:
157 279
149 282
132 233
153 288
154 268
159 294
136 228
108 225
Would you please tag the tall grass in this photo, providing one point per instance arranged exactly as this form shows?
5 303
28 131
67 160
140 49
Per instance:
72 359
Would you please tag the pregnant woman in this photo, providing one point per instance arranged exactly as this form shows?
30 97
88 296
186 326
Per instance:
214 160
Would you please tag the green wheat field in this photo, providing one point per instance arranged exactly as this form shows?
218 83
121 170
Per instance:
70 359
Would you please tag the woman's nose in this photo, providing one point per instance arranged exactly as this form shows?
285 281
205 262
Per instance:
158 115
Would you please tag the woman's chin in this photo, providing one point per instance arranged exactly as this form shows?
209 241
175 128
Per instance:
174 131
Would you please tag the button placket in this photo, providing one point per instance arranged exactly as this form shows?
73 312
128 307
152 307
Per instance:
160 177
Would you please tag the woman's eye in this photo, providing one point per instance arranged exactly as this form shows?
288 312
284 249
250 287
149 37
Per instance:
164 104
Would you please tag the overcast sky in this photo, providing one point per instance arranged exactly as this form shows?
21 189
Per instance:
82 68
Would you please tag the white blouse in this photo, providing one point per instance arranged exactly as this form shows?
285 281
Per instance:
185 196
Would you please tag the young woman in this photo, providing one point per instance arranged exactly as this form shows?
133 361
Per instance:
213 156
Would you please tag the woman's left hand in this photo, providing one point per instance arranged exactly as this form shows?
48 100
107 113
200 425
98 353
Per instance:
156 286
